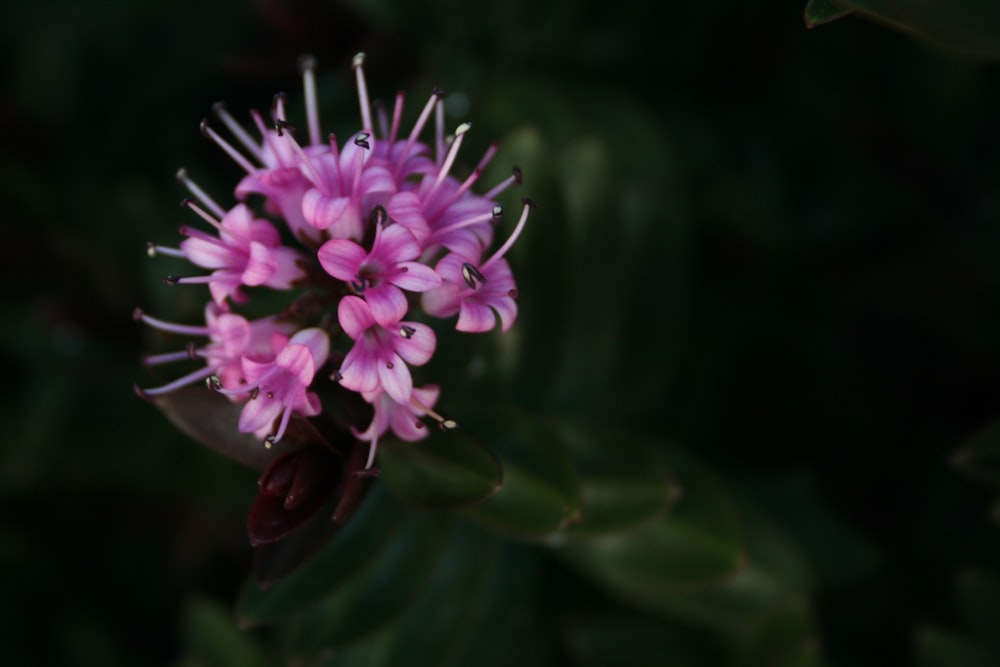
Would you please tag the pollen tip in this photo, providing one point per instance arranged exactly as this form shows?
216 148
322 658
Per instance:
219 108
307 63
171 280
269 441
438 91
182 174
518 177
528 202
336 376
203 126
498 212
448 424
141 393
358 60
463 128
137 313
151 248
213 382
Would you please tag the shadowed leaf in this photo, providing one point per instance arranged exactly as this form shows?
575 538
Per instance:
819 12
447 470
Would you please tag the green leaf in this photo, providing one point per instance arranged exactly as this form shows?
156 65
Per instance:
212 420
937 648
980 457
350 551
968 26
979 597
448 470
629 640
819 12
784 637
626 481
379 593
541 490
210 633
697 545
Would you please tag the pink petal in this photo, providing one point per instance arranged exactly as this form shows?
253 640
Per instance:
233 334
316 340
416 278
418 348
260 265
358 370
297 360
387 303
342 258
354 316
259 413
442 301
405 208
396 244
324 212
396 380
475 317
288 270
209 254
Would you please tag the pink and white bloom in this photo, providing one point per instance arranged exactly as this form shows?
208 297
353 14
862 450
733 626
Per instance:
402 419
381 274
280 387
380 354
230 336
479 292
246 252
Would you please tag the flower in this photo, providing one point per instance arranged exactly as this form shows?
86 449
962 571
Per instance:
382 273
377 360
280 386
347 235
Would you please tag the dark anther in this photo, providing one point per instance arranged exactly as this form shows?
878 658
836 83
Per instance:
472 275
497 212
306 63
191 349
137 314
187 202
254 393
213 382
282 126
203 126
378 216
359 285
512 293
362 140
389 365
171 280
370 472
419 424
406 331
219 108
527 202
438 91
336 376
404 269
517 174
141 393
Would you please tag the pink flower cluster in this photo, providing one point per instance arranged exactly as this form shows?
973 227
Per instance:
370 229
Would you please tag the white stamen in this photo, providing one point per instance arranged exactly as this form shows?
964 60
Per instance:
510 241
308 66
153 249
242 136
359 75
237 157
182 329
199 194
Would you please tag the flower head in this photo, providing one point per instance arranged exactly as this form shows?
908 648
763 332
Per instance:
355 236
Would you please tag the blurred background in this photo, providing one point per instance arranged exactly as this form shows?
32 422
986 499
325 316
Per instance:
777 249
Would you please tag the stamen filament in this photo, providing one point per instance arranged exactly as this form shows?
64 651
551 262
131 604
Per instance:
182 381
359 75
169 357
219 109
371 453
418 127
506 183
200 194
307 64
182 329
513 237
236 156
